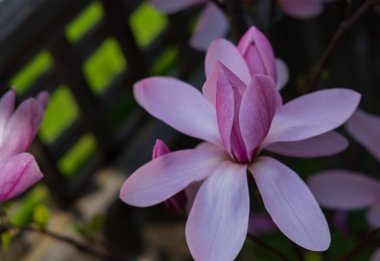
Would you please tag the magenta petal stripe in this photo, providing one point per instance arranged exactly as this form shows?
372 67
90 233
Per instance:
290 204
218 222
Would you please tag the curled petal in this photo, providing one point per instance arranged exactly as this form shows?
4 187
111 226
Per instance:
258 53
290 204
373 215
218 221
342 189
22 127
17 174
257 109
322 145
301 8
212 24
43 99
312 115
365 128
179 105
172 6
160 149
165 176
7 105
282 74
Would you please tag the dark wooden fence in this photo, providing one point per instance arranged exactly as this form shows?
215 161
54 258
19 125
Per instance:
28 27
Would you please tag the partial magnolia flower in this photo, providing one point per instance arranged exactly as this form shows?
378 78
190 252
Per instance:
376 255
213 23
18 169
349 190
238 116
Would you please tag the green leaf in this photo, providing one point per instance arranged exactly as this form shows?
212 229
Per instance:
41 215
6 239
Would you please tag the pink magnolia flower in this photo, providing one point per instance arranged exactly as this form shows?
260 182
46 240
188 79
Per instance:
349 190
213 23
243 117
18 169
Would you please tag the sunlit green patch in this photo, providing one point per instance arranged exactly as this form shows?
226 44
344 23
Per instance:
165 61
147 23
84 21
75 158
60 113
104 64
24 78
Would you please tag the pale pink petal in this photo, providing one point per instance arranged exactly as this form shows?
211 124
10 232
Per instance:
43 99
17 174
301 8
326 144
291 205
343 189
312 114
191 191
228 98
160 149
223 51
260 224
282 74
165 176
257 109
218 221
373 214
258 53
212 24
172 6
22 127
179 105
7 105
376 255
365 128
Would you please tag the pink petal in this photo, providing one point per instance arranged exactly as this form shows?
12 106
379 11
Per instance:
165 176
257 109
7 105
282 74
301 8
326 144
343 189
376 255
228 98
172 6
218 221
17 174
191 191
43 99
22 127
212 24
258 53
260 224
291 205
312 114
179 105
365 128
373 215
160 149
223 51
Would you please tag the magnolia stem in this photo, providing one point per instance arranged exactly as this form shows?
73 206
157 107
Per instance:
347 23
363 243
268 247
65 239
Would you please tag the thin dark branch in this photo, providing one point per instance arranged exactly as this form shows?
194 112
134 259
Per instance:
221 5
342 30
269 248
65 239
363 243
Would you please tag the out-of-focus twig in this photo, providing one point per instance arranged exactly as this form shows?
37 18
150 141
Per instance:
236 16
347 23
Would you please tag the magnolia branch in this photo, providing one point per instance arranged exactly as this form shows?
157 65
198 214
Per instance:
65 239
347 23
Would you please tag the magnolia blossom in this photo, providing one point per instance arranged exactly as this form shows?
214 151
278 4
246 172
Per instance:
349 190
238 115
18 169
213 23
